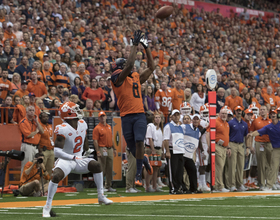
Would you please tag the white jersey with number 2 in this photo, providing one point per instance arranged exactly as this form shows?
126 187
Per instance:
74 139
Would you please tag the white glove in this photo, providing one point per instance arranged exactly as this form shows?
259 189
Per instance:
88 152
80 161
144 42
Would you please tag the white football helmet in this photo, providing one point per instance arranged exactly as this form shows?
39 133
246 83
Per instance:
255 109
204 112
185 108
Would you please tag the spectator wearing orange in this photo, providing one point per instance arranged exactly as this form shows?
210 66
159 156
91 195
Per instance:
20 111
30 128
94 92
82 71
37 87
177 96
262 146
60 77
42 52
103 143
47 74
46 144
5 86
23 90
8 34
32 99
233 100
158 52
221 149
269 98
37 68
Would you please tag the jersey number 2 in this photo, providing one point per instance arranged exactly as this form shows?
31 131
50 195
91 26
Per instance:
78 142
135 90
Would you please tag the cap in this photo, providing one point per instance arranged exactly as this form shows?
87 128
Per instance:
24 26
238 108
46 55
87 32
108 78
10 24
195 115
248 111
139 53
101 114
31 94
175 111
1 45
229 112
59 86
24 82
274 111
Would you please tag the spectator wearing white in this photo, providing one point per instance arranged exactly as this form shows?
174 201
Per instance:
198 98
72 74
153 145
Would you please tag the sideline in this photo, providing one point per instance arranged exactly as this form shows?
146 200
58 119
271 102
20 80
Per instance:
136 199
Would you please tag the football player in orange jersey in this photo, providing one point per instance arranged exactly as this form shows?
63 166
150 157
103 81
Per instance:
163 100
69 144
127 87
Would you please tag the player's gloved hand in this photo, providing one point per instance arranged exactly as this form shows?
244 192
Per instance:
144 42
80 160
137 37
88 152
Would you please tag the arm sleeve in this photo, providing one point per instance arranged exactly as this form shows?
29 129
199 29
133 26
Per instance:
193 99
149 133
85 94
61 154
95 134
166 133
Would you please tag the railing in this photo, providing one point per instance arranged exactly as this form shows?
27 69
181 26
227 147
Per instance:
4 113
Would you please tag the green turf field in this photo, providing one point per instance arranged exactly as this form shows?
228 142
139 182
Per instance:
254 207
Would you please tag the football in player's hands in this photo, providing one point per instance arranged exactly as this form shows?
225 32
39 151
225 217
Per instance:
144 42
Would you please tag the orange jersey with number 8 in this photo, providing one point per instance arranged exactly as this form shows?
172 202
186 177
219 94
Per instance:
128 94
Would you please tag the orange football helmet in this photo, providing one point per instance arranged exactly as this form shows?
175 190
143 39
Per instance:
204 112
70 110
185 108
255 109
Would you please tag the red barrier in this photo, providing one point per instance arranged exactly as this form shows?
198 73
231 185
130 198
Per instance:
211 7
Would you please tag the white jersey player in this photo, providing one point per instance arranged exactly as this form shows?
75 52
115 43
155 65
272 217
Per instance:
71 141
202 151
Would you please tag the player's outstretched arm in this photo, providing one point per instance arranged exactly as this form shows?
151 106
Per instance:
131 59
58 146
151 65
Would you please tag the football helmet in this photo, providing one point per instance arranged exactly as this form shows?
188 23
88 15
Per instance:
185 108
118 64
70 110
204 112
226 107
255 109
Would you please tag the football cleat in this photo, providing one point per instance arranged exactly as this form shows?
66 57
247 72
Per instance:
102 199
46 211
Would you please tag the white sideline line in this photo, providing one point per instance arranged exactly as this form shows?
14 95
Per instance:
196 205
161 216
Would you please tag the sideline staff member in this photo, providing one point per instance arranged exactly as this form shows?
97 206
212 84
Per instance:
273 131
46 144
30 128
103 143
173 141
222 149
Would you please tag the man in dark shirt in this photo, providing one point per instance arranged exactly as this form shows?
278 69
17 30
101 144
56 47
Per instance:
24 70
87 42
3 58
